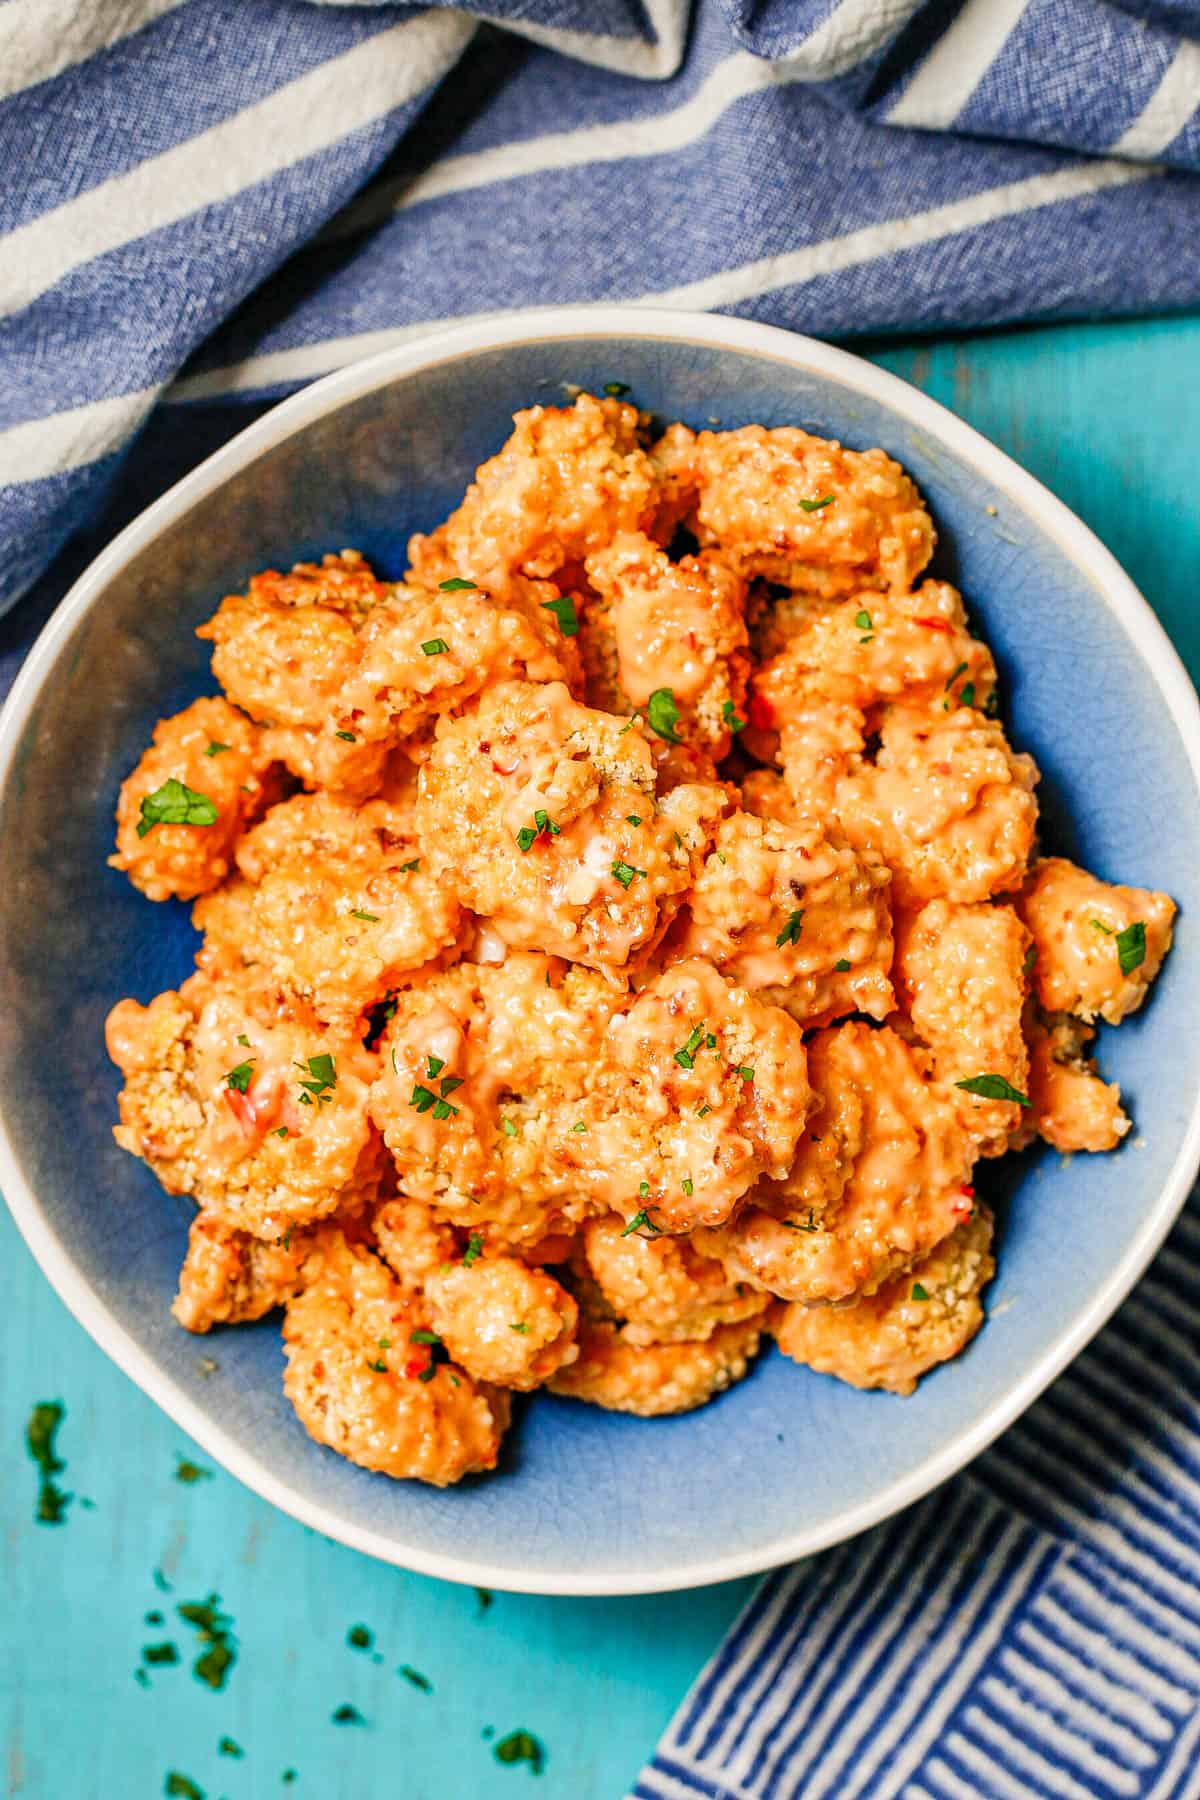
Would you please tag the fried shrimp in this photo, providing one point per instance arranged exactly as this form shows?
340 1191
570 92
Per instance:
1099 945
653 1379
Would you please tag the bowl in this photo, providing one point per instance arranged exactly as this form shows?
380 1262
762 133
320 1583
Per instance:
585 1502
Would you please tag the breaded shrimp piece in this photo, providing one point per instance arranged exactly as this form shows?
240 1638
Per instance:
674 626
564 484
285 648
426 653
673 458
263 1123
323 758
540 814
411 1242
503 1321
877 648
961 974
653 1379
1092 958
663 1289
483 1074
803 511
793 914
701 1091
362 1385
947 804
230 1277
897 1335
329 907
205 765
1072 1107
880 1176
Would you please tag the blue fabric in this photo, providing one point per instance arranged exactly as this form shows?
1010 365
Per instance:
1034 1629
251 206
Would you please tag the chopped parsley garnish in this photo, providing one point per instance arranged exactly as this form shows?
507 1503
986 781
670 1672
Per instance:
424 1098
841 967
961 670
280 1131
1099 925
159 1655
457 584
519 1325
408 867
424 1337
322 1080
215 749
521 1747
347 1715
810 1224
1131 947
359 1638
435 1065
864 621
213 1664
1030 963
685 1056
992 1087
703 1111
435 647
415 1677
816 505
642 1218
243 1040
615 389
229 1747
564 611
643 1188
526 838
366 917
377 1364
347 737
239 1078
966 693
746 1072
182 1787
579 1125
732 718
508 1128
175 804
791 930
632 819
688 1186
190 1472
662 715
625 873
919 1292
473 1251
44 1422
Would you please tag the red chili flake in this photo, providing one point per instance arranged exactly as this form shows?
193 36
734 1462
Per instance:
934 624
968 1191
417 1365
762 713
505 768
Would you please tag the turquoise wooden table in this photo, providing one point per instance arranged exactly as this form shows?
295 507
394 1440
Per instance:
353 1681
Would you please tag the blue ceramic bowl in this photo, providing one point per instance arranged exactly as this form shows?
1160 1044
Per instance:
585 1501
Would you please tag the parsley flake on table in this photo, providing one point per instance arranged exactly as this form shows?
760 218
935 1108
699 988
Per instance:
219 1651
359 1638
1131 947
159 1655
415 1678
457 584
40 1432
240 1077
732 718
435 647
174 803
816 505
190 1472
992 1087
919 1292
347 1715
182 1787
485 1597
564 611
473 1251
322 1073
791 930
662 715
685 1056
215 749
230 1747
625 873
520 1747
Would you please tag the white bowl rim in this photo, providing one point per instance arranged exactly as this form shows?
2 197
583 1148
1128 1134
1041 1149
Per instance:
559 324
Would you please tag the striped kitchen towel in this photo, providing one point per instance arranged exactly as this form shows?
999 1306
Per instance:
219 199
1029 1632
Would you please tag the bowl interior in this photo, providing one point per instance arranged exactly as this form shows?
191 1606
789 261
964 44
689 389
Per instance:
584 1499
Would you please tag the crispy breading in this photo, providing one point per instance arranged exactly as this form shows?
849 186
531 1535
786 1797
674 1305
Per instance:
1077 921
503 1321
654 1379
229 1276
1072 1107
662 1288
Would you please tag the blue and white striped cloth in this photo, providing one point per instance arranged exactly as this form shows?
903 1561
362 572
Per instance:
218 199
207 203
